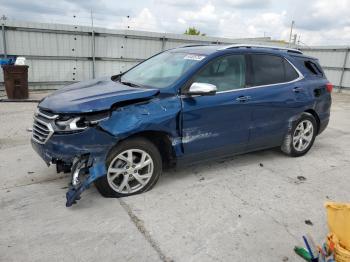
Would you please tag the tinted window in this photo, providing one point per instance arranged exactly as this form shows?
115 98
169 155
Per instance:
291 74
313 68
226 73
267 69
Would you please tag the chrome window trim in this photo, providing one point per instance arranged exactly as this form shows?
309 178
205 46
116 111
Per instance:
300 77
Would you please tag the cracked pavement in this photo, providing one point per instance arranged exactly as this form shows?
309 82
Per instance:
251 207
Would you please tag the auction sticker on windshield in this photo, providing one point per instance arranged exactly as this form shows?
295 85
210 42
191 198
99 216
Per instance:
194 57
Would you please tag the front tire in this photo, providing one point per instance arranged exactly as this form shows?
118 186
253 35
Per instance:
302 136
133 167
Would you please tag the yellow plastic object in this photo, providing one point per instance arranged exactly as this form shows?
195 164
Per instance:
338 215
341 254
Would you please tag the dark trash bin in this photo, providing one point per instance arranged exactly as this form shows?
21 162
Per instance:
16 81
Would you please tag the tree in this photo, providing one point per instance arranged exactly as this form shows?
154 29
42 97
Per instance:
193 31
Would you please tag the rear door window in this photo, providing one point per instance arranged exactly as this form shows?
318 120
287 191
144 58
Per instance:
267 69
290 73
271 69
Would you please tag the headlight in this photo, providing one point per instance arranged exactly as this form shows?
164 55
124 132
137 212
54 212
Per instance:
72 124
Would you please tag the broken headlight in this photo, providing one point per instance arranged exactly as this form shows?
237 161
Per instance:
78 123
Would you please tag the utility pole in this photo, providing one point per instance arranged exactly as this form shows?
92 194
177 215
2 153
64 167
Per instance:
291 32
93 45
295 39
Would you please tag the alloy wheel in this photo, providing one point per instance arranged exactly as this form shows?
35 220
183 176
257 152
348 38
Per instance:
303 135
130 171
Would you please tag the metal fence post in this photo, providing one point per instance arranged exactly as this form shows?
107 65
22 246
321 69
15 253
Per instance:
343 69
163 43
93 53
93 45
4 39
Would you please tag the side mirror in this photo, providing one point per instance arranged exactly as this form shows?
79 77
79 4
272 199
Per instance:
202 89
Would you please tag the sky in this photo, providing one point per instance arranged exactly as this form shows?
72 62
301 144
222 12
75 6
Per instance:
317 22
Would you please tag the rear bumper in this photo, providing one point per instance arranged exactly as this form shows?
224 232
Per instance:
323 110
323 125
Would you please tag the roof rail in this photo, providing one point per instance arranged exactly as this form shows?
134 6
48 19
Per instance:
192 45
292 50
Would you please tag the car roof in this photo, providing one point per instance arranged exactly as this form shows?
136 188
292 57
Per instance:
240 48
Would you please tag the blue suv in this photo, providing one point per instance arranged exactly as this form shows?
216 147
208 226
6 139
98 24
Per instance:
179 107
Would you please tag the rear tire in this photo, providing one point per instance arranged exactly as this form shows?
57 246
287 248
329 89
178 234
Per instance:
133 167
302 136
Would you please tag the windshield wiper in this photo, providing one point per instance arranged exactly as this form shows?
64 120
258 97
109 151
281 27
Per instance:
129 84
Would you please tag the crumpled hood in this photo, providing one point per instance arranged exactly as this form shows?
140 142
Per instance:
91 96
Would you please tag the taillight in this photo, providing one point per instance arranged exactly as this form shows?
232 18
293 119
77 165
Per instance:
329 87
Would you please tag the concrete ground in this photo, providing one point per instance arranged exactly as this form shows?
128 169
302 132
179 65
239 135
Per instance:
34 96
249 208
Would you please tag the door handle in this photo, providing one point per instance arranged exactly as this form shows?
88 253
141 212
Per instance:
243 98
297 89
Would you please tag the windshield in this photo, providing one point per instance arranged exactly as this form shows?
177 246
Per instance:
161 70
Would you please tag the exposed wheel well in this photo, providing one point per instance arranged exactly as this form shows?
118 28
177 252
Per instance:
162 141
314 114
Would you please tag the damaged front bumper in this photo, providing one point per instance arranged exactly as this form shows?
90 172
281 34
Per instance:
83 174
84 152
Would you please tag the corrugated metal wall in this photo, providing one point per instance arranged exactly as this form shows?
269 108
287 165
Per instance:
62 54
335 61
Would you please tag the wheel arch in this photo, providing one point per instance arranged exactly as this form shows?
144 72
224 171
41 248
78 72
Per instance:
162 140
315 115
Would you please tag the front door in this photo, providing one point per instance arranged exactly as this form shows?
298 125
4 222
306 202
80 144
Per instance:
216 125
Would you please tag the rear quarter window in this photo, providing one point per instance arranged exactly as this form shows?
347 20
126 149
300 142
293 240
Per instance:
311 66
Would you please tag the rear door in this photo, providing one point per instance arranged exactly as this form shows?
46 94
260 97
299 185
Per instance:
219 124
276 96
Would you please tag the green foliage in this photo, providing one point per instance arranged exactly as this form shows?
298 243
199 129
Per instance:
193 31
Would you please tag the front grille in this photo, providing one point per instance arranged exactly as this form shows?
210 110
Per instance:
42 128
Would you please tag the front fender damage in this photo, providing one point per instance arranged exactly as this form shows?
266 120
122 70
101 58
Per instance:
153 115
